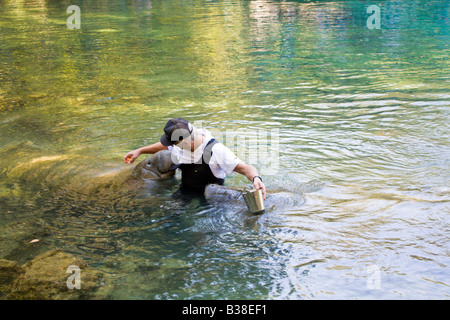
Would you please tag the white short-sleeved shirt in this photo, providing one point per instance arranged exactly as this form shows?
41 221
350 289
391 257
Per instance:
222 162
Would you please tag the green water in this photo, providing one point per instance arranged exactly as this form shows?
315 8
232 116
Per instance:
356 119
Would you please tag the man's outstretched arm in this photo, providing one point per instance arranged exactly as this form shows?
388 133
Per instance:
153 148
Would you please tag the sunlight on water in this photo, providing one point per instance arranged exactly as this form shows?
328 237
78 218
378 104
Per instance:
355 120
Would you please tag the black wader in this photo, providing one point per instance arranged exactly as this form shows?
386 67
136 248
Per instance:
198 175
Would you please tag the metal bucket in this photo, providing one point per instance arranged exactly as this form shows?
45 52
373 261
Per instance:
254 200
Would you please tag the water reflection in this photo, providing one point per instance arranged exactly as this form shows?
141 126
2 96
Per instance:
362 119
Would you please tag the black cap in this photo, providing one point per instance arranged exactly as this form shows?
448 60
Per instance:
176 130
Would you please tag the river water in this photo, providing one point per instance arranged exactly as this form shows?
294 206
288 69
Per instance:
353 119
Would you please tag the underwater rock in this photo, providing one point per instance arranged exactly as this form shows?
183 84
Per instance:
9 272
46 278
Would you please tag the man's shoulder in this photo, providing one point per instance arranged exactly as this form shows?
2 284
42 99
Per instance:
222 153
220 147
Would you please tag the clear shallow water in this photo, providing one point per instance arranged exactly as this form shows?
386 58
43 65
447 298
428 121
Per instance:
361 117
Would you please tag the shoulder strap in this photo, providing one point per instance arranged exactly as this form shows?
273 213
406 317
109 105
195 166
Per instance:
207 153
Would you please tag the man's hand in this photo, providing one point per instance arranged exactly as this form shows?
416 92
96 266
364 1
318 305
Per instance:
131 156
251 173
258 184
153 148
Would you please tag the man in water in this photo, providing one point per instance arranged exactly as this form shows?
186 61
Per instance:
201 158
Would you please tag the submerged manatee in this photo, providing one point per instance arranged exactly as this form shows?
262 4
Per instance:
156 166
232 196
